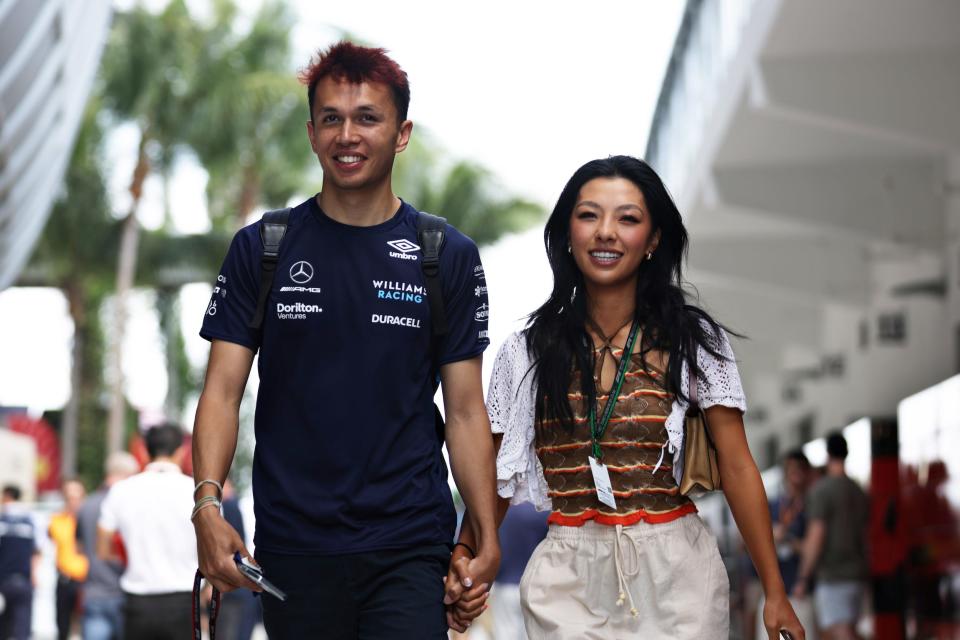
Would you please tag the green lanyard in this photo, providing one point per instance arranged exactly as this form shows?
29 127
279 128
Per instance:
597 431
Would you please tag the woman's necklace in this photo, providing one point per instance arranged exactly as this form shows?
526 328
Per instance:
607 346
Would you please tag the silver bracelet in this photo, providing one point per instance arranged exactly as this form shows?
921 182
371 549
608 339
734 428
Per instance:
208 481
202 503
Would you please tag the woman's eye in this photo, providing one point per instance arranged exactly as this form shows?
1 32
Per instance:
586 215
630 219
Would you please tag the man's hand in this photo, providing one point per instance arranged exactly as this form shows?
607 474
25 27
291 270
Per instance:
800 588
468 584
217 541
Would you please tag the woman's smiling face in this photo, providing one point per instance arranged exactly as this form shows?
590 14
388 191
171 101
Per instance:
611 231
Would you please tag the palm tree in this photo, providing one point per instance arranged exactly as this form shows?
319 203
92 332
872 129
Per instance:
76 254
147 80
465 193
248 131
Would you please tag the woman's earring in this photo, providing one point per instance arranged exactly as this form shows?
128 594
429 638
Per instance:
650 255
569 248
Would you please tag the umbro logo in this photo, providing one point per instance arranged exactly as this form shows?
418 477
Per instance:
404 249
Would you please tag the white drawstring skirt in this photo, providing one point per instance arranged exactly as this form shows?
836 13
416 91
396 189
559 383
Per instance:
601 582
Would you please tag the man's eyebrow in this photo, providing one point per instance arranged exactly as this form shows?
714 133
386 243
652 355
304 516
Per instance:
366 108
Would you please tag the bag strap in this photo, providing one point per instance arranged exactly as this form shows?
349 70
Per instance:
431 234
692 391
273 226
694 407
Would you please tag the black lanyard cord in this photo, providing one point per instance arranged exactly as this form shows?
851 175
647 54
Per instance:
214 608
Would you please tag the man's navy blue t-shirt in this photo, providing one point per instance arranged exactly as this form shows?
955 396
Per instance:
348 458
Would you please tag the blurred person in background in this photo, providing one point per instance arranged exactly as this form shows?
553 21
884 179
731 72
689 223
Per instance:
834 551
72 564
626 555
151 512
102 604
523 528
19 557
788 513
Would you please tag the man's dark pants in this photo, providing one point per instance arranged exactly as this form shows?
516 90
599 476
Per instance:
394 594
68 596
18 598
166 616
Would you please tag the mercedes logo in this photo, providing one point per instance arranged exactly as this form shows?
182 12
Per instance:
301 272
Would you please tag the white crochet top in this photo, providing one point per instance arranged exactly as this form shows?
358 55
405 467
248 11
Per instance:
511 405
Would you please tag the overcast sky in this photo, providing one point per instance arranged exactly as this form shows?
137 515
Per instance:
531 90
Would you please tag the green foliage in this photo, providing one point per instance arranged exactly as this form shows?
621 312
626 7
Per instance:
76 253
147 72
78 244
248 130
466 194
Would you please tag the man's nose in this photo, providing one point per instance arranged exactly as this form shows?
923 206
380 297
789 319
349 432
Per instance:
348 133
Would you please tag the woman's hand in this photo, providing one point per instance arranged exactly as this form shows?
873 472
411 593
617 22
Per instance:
778 615
464 599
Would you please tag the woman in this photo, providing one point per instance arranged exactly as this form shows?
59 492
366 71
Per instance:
626 555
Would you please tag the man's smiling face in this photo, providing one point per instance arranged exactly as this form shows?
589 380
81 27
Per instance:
356 133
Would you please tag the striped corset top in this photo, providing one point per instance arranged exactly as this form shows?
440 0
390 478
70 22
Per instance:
633 446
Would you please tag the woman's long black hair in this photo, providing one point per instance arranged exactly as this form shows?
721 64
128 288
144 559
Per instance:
556 333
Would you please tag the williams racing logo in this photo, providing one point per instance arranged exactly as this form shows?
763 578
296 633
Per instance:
404 249
400 291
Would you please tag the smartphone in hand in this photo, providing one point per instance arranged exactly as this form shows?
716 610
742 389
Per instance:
255 574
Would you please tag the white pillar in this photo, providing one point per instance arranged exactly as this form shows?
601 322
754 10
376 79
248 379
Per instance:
952 254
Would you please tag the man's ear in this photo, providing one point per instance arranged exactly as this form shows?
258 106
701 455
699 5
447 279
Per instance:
403 136
310 135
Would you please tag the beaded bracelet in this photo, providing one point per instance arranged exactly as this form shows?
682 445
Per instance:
208 481
202 503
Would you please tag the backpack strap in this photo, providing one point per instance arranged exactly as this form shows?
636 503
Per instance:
431 236
431 232
272 229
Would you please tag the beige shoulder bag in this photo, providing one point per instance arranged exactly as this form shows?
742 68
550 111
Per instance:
701 471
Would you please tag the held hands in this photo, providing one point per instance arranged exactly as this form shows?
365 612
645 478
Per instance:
778 615
217 541
468 584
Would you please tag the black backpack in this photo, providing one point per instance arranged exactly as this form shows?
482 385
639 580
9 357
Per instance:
431 237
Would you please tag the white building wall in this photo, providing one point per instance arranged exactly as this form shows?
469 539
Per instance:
48 59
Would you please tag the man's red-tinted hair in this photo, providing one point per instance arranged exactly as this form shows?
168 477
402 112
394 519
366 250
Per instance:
356 64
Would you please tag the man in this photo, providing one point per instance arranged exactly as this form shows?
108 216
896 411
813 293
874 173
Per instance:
789 518
835 546
102 617
354 517
151 512
72 565
19 556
